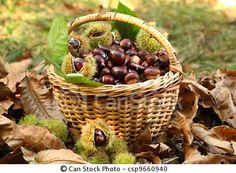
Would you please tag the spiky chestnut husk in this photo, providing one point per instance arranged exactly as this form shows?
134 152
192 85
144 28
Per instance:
89 68
124 158
99 33
116 146
29 120
145 41
100 157
116 35
67 64
83 47
87 136
57 127
79 147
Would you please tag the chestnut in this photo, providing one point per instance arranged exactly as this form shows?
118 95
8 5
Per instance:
164 61
117 57
127 59
105 48
135 59
117 42
100 61
78 63
74 43
109 64
145 64
99 51
117 47
142 54
152 72
105 71
136 67
131 78
119 72
100 138
131 52
151 59
108 79
126 43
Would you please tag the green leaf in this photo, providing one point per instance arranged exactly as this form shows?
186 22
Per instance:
126 30
77 78
57 40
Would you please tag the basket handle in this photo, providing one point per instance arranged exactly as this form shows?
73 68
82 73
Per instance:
112 16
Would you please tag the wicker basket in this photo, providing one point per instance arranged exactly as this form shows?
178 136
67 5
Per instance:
126 108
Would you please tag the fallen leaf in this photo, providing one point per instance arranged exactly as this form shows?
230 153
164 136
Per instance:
202 133
5 105
180 122
227 79
149 156
144 138
193 156
62 156
4 148
187 101
3 71
224 133
16 73
223 104
37 98
36 138
6 132
14 157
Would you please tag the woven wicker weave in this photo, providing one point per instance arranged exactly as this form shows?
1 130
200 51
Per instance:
126 108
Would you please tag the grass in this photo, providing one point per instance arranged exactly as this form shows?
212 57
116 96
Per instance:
204 39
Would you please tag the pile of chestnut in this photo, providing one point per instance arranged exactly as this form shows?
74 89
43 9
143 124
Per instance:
124 63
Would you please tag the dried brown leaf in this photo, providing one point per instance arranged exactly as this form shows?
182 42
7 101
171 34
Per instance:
224 133
180 122
16 73
51 157
227 79
5 105
202 133
193 156
3 71
36 138
223 103
38 99
188 101
149 156
6 132
14 157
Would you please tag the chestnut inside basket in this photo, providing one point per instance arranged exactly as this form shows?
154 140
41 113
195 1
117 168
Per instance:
128 109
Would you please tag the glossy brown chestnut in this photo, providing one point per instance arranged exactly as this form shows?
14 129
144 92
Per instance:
127 59
164 61
78 63
131 52
117 42
144 64
108 79
137 67
119 72
142 54
109 64
151 59
105 71
152 72
100 138
117 47
99 51
126 43
131 78
100 61
105 48
117 57
135 59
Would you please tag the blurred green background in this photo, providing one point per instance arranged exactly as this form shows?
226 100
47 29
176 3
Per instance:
203 32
